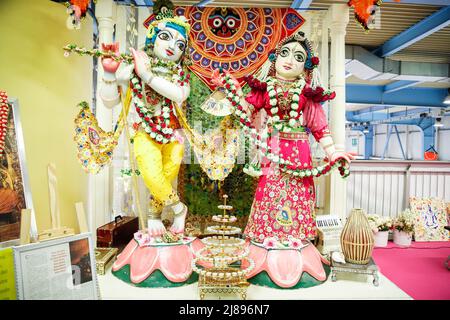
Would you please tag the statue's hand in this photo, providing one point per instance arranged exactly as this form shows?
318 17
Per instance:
348 156
141 64
217 78
109 64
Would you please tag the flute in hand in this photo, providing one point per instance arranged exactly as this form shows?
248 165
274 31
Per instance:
71 48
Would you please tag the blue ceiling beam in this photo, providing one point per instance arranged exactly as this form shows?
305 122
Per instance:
399 85
412 97
351 116
301 4
371 109
354 116
409 112
438 20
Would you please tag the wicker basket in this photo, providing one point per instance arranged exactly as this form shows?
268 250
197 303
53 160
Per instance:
357 238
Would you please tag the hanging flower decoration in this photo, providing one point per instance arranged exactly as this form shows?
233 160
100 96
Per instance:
82 5
4 113
364 11
77 10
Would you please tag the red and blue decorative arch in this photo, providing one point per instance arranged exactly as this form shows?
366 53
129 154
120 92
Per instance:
236 39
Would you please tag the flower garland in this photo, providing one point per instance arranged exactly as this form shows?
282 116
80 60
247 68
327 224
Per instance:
4 113
275 93
260 140
321 170
157 125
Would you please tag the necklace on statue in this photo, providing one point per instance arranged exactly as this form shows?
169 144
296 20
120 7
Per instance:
285 98
157 125
289 106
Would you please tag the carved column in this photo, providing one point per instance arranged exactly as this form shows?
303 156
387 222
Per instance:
339 17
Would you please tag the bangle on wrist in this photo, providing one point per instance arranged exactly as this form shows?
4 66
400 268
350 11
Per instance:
109 81
147 77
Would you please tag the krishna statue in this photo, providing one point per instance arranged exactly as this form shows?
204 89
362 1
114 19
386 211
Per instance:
158 82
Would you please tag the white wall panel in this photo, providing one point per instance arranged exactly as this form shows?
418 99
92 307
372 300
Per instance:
379 186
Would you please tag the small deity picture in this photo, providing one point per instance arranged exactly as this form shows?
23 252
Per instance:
12 196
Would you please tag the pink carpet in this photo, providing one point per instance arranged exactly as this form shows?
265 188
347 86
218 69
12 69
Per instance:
418 270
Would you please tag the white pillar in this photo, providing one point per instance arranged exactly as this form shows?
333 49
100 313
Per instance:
339 17
324 56
100 186
324 75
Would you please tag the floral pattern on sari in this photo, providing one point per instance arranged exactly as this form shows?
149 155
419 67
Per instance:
284 204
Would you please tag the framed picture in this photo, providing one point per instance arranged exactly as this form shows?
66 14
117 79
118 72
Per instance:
430 216
15 193
63 268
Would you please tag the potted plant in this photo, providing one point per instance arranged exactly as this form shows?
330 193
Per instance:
380 227
403 228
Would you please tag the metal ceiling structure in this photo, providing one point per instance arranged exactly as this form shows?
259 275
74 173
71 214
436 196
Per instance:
396 17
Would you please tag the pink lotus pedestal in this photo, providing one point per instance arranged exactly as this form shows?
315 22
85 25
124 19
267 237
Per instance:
287 268
156 264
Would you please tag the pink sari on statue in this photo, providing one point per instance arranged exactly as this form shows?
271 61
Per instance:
284 205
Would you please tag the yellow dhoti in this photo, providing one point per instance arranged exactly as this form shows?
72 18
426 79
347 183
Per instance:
159 165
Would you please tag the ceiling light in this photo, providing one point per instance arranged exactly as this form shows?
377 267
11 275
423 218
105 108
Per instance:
366 130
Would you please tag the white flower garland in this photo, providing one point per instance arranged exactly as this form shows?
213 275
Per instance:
260 140
275 92
161 132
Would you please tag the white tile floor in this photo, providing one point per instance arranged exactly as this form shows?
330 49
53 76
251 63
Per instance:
346 287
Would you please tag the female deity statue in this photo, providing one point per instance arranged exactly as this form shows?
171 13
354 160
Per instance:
159 80
286 102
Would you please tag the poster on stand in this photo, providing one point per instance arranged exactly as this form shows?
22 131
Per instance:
15 193
57 269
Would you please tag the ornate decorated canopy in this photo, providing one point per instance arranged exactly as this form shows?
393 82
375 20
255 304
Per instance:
236 39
